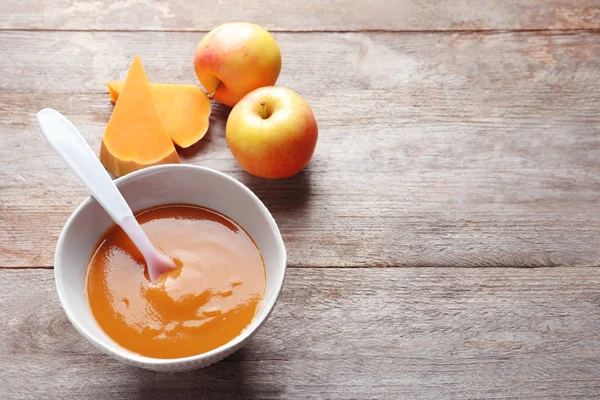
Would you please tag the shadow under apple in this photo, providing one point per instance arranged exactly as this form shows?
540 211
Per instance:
285 198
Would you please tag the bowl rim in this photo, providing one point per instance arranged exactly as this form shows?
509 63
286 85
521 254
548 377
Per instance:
114 349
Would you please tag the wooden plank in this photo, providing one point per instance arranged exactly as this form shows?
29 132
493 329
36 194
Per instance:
307 15
417 333
434 150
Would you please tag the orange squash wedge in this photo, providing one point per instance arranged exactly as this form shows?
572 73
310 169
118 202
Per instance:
135 136
184 109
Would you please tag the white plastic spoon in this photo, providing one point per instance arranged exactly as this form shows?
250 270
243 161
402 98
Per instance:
66 140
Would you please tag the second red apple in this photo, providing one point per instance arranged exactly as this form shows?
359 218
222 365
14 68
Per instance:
272 132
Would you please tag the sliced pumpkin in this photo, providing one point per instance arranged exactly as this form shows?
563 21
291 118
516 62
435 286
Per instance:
184 109
135 136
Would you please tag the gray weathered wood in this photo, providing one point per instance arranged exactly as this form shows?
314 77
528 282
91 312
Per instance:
417 333
302 15
434 149
461 148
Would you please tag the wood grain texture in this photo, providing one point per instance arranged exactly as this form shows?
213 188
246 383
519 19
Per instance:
306 15
417 333
434 150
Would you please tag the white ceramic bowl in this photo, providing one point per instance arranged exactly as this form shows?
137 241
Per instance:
175 183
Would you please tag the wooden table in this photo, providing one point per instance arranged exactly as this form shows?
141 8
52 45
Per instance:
443 243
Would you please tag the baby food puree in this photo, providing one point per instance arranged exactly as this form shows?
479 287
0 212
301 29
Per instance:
204 303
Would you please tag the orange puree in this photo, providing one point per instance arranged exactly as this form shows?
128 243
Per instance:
204 303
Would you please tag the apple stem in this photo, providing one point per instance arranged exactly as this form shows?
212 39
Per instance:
212 95
263 110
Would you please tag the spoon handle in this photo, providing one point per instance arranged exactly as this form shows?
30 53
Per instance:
66 140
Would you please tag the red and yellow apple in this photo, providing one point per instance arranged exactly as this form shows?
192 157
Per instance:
235 58
272 132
